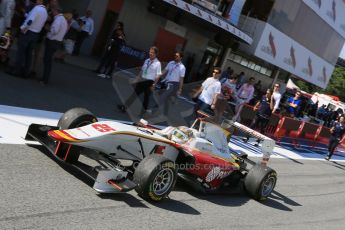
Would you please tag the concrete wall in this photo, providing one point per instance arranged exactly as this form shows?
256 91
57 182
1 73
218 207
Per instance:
79 5
141 26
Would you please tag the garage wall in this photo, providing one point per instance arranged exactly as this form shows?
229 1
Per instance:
141 26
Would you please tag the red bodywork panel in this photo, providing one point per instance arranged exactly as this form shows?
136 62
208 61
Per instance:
212 169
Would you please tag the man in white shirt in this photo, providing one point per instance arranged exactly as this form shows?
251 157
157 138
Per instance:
6 14
145 81
209 90
275 99
30 32
87 29
54 40
175 72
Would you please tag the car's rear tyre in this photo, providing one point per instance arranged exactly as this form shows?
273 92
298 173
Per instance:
260 182
75 118
155 176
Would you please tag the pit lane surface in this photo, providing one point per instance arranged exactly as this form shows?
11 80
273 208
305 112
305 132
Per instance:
38 193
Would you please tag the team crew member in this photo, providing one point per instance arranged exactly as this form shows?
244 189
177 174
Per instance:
209 89
30 32
175 71
275 99
54 40
145 81
337 136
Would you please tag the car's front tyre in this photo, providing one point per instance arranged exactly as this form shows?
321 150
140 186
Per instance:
155 176
74 118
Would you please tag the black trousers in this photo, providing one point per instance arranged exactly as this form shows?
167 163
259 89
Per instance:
141 87
26 43
51 47
333 142
107 63
79 41
259 121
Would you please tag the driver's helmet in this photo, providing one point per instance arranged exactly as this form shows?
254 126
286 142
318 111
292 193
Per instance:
181 134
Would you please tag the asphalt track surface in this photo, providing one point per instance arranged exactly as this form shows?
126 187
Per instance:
39 193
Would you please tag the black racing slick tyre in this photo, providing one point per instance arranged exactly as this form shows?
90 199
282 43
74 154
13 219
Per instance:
260 182
75 118
155 176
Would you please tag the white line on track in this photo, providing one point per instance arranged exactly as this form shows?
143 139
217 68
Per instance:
14 122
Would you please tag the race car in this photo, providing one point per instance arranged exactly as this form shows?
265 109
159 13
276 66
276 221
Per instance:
148 159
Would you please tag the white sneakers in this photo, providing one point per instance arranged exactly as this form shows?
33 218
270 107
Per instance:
104 76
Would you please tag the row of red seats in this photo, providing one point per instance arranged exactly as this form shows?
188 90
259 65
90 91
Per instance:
297 131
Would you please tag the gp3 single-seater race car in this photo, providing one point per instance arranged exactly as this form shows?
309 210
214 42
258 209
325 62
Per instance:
199 155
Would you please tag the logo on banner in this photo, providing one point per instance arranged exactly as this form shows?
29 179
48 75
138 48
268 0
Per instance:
291 61
186 7
332 14
271 48
210 18
174 2
323 77
219 23
309 69
199 12
317 2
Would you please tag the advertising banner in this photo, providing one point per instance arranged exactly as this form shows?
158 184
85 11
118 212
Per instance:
284 52
211 18
331 11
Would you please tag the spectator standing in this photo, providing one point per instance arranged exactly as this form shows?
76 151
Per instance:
240 80
209 90
86 30
175 73
226 74
53 42
244 95
6 14
30 33
145 81
293 104
263 108
220 102
276 97
68 41
337 136
109 60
